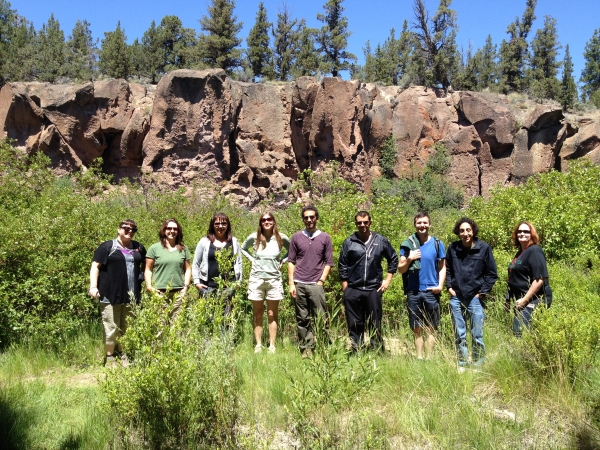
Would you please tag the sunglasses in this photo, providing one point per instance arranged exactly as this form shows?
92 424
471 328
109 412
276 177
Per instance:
171 229
523 232
363 222
305 218
129 229
267 219
220 224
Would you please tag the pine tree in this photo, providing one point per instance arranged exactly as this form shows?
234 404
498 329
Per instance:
81 52
590 76
514 52
114 57
488 66
568 89
544 64
436 39
286 43
308 59
19 64
149 55
176 42
217 48
7 17
333 39
259 51
467 75
50 54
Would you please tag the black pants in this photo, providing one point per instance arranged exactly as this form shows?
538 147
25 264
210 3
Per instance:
363 310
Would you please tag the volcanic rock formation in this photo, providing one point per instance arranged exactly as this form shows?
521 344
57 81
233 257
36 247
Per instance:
254 139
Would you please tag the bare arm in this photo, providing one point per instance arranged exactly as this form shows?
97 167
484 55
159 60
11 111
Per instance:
292 285
94 274
535 286
324 275
148 274
405 262
187 278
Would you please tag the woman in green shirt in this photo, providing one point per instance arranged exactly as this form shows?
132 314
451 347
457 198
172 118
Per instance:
168 268
269 252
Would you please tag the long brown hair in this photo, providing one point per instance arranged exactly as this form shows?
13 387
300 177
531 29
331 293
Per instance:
162 234
211 227
535 237
260 239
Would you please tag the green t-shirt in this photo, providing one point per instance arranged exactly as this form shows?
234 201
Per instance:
169 267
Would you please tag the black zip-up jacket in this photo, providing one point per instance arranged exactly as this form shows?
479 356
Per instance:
360 263
470 271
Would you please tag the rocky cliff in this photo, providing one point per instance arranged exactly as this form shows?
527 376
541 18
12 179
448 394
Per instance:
254 139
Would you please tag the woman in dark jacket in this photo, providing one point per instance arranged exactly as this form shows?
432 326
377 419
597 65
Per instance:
527 276
470 275
115 283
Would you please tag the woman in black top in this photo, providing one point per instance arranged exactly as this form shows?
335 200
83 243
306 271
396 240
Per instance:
115 283
527 276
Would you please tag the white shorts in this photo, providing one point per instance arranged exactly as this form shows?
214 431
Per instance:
260 290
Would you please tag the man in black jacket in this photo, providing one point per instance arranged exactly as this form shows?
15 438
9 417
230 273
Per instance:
363 285
470 277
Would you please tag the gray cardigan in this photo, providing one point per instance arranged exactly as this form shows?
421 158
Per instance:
200 264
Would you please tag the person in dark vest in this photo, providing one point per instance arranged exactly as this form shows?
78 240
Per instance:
115 282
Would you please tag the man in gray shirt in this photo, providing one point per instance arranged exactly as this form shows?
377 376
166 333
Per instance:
309 261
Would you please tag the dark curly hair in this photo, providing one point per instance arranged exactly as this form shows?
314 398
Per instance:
471 222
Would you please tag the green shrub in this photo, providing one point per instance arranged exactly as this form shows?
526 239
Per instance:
180 391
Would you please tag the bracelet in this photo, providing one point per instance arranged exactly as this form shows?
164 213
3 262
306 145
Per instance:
321 280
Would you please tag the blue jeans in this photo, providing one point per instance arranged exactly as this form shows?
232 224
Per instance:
475 314
522 320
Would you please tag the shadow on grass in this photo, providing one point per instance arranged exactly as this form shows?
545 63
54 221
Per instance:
13 425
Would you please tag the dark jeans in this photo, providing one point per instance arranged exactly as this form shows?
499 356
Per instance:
522 320
423 309
363 311
310 302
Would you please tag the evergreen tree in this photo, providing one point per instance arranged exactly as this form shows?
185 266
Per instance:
488 67
436 40
176 42
367 72
81 52
18 65
544 64
590 76
50 55
568 89
7 18
514 52
404 47
333 39
136 59
149 55
286 43
467 76
217 48
259 51
114 56
308 60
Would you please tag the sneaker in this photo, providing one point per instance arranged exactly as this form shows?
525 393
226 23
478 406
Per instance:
271 349
462 369
124 360
258 348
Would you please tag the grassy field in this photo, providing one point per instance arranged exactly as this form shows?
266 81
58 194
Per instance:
48 401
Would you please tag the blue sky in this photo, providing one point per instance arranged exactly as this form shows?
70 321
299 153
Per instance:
576 19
